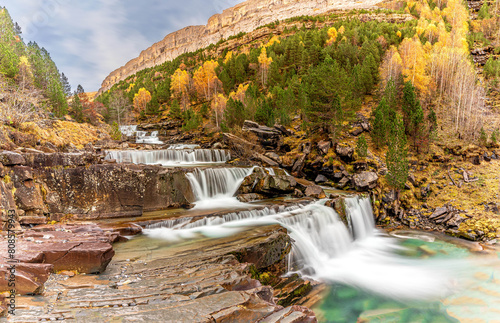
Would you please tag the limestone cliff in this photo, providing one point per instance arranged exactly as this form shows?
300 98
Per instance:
243 17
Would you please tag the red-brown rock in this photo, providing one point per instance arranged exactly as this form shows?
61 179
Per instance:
29 277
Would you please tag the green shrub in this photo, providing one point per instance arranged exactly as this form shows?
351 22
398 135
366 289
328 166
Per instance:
362 146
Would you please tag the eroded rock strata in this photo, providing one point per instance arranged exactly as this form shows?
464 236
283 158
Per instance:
244 17
203 281
46 187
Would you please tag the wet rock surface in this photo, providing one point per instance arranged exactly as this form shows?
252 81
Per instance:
151 280
45 249
262 183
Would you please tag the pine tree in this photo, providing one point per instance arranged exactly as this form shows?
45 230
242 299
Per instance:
17 29
413 116
396 158
362 146
66 85
79 89
234 114
175 110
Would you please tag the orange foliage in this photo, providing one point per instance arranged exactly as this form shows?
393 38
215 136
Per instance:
414 61
205 79
264 63
141 99
180 85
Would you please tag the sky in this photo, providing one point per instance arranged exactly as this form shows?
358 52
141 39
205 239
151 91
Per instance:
91 38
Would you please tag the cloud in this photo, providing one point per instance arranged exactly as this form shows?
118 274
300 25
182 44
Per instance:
89 39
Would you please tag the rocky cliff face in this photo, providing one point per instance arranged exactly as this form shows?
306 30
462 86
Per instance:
40 187
243 17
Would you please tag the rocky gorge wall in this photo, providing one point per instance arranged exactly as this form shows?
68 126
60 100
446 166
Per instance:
244 17
44 187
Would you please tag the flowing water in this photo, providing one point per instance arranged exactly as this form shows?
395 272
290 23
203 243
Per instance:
216 187
142 137
373 276
170 157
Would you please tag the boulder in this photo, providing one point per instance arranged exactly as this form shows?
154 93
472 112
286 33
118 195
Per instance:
251 124
9 158
267 136
298 165
360 165
275 185
86 257
356 131
324 146
321 179
438 212
274 156
344 182
345 152
315 191
267 253
365 181
85 249
30 278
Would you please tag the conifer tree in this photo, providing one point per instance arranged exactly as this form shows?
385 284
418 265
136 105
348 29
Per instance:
396 158
362 146
413 115
175 110
79 89
66 85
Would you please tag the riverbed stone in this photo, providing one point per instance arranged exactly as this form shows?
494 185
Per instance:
315 191
30 278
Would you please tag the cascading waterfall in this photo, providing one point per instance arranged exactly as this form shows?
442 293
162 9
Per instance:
324 248
143 138
169 157
129 130
188 227
215 187
183 146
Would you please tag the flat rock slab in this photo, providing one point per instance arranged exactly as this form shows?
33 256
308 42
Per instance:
47 249
151 280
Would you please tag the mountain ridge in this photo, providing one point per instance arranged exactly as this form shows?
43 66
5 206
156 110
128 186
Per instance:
243 17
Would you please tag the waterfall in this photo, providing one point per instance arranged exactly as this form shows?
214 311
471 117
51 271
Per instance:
183 146
215 187
143 138
323 247
129 130
168 157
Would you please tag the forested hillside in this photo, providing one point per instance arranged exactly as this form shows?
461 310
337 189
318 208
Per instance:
34 95
321 69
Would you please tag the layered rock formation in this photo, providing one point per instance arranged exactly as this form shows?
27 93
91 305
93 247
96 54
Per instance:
243 17
190 282
42 187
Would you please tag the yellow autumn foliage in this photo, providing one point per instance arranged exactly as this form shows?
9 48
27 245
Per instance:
61 133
